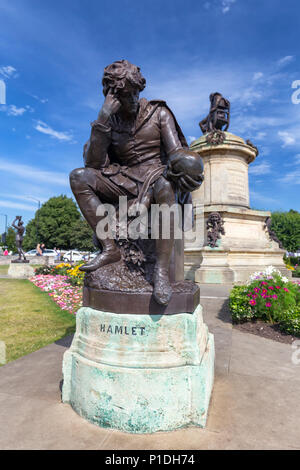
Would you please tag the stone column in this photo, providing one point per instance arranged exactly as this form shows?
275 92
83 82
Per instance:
245 247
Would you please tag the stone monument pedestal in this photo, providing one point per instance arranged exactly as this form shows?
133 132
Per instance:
140 373
20 270
246 246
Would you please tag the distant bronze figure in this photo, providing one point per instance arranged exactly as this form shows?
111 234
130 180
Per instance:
136 149
219 114
19 239
215 228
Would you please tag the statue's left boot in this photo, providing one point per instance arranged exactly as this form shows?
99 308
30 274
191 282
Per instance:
110 254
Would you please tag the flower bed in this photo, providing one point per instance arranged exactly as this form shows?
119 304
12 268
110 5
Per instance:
59 288
268 297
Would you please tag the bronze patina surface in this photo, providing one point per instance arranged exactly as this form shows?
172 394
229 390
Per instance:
19 239
136 149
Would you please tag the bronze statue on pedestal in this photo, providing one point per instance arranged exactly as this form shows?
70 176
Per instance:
136 149
19 239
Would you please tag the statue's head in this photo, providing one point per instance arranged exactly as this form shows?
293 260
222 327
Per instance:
215 217
213 95
125 81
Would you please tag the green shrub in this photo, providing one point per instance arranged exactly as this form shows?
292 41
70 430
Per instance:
290 322
239 305
296 272
44 270
270 297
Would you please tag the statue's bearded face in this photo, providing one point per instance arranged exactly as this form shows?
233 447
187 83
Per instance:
129 98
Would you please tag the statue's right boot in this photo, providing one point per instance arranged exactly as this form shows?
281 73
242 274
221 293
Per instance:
110 254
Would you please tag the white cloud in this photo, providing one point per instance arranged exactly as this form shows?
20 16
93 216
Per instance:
33 173
297 159
12 110
287 138
260 135
260 168
285 60
257 75
41 100
45 129
16 205
260 198
191 138
8 71
292 177
226 5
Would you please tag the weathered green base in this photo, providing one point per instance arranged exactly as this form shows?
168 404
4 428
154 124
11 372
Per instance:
140 373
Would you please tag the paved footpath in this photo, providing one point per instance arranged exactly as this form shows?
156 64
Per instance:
255 402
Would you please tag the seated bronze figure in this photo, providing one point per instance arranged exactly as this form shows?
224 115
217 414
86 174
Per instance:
219 114
136 149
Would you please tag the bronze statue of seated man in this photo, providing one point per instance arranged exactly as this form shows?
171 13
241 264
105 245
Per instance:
136 149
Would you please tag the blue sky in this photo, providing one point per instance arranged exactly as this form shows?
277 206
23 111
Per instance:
52 56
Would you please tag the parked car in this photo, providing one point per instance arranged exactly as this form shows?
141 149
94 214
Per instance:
72 255
47 252
91 256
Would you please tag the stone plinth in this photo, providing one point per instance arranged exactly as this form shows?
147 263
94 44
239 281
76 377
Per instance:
246 246
20 271
140 373
225 171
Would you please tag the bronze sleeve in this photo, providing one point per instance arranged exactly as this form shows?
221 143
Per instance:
169 133
95 150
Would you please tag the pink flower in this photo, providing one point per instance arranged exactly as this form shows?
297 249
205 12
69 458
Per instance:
285 289
256 289
278 287
252 302
271 287
274 296
268 304
264 283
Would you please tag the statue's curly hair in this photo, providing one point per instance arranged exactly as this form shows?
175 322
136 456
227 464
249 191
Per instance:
116 74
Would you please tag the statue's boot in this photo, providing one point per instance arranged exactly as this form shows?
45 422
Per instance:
110 254
162 291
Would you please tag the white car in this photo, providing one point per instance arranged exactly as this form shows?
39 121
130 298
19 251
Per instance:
72 255
47 252
91 256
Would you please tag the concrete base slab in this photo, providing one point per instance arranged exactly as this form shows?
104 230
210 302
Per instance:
254 404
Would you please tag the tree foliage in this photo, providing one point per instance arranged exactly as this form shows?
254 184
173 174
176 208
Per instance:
82 236
286 225
53 224
10 240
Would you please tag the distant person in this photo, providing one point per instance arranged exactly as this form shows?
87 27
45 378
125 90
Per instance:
38 250
57 254
43 248
5 252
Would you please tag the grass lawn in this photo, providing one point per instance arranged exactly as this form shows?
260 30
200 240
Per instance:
29 319
4 268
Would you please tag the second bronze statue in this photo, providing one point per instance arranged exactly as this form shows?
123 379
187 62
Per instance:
136 149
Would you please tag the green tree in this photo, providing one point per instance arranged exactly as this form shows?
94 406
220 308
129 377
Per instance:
11 240
82 236
52 224
286 225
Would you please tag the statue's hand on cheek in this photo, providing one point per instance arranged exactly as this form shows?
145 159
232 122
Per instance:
110 106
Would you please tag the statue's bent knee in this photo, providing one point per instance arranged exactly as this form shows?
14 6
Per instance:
79 177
